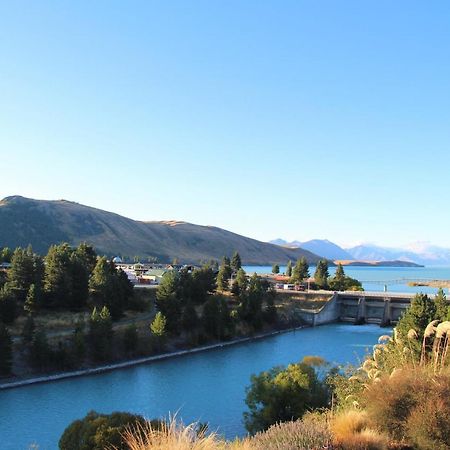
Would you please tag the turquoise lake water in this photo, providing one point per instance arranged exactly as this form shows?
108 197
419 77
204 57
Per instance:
208 386
374 278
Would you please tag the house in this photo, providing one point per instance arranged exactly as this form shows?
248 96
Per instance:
152 276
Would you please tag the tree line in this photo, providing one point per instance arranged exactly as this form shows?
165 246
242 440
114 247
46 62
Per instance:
65 279
299 273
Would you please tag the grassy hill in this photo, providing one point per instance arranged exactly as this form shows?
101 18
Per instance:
42 223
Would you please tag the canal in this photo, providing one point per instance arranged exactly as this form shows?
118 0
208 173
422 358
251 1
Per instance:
207 387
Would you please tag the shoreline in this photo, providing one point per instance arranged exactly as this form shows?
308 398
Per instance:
140 361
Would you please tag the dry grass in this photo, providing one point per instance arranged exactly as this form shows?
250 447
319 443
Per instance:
311 433
172 436
353 430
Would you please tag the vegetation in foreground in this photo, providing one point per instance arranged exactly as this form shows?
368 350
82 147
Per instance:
398 399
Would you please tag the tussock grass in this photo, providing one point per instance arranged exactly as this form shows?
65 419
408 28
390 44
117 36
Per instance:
171 436
354 430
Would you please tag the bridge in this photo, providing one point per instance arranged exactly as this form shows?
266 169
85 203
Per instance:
382 308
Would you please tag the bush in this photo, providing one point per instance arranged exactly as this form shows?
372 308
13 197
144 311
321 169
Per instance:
310 432
100 431
284 394
353 430
412 405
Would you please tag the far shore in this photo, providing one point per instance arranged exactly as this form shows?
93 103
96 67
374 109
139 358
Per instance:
134 362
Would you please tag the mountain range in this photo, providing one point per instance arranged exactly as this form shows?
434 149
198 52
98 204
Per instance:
419 253
42 223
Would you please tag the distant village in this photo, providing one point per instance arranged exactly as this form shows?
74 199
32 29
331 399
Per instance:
151 274
148 273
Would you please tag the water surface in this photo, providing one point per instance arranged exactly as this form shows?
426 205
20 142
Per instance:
376 278
208 386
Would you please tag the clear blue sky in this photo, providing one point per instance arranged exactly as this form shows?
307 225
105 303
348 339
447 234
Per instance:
293 119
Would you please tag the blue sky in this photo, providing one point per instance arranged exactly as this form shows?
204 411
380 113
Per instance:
293 119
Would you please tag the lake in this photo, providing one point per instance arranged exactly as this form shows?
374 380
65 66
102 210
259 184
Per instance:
208 386
374 278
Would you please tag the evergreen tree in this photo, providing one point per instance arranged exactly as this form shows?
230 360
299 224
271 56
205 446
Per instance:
216 317
26 268
6 255
289 269
236 262
223 279
100 334
79 273
189 320
226 264
321 274
167 300
110 287
6 351
87 255
250 308
421 312
441 305
275 269
31 303
203 283
338 282
58 283
300 272
158 328
270 313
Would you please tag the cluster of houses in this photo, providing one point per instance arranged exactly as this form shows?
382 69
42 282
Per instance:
147 273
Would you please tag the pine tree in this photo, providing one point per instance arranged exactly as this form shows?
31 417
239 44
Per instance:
441 305
321 274
110 287
189 320
338 282
167 300
158 326
58 283
223 279
420 313
158 329
275 269
30 305
26 268
236 262
100 334
6 351
289 269
300 272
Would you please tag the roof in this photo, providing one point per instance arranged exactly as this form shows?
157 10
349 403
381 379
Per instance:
155 272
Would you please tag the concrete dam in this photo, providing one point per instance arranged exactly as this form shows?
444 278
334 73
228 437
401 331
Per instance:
382 308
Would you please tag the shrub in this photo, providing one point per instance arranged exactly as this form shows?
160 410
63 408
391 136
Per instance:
310 432
412 405
283 394
100 431
352 429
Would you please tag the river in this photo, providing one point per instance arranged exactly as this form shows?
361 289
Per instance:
375 278
208 386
